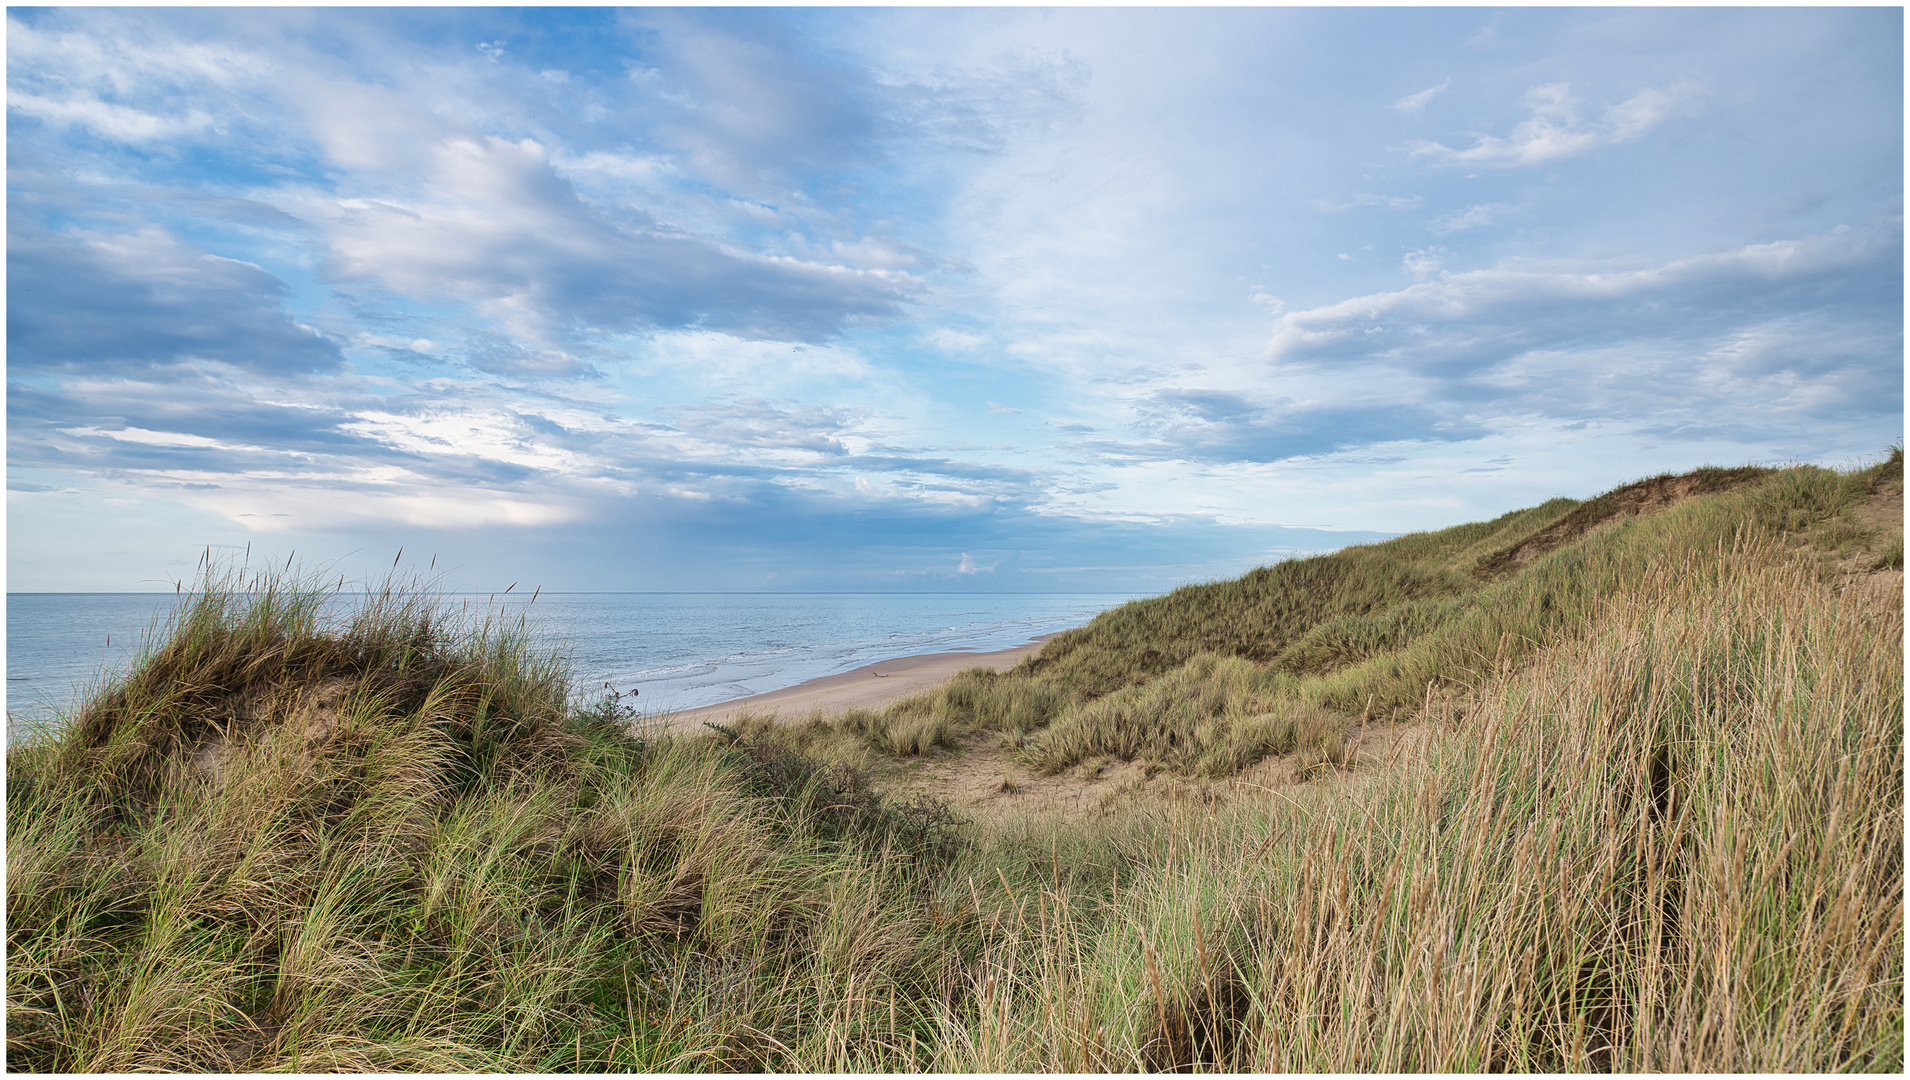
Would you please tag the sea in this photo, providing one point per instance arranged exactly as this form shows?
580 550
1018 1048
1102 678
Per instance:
678 650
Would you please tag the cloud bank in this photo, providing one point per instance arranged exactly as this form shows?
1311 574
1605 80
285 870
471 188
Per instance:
921 298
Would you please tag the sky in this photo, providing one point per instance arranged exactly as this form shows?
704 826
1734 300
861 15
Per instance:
603 299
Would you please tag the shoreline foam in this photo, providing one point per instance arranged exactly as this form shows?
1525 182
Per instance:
870 686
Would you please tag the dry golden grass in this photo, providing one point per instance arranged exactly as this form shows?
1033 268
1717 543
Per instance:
1675 844
1654 822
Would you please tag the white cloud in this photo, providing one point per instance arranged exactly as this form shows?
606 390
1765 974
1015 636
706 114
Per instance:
1472 217
883 253
129 85
968 566
275 508
1765 334
488 222
1414 104
753 113
148 438
1554 131
1474 294
1424 262
625 168
542 291
117 122
125 56
490 434
373 129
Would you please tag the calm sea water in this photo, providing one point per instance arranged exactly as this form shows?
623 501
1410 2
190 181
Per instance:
681 650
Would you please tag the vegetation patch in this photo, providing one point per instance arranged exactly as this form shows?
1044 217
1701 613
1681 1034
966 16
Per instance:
1652 821
1210 679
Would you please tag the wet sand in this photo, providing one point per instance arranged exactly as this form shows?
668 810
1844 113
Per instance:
868 687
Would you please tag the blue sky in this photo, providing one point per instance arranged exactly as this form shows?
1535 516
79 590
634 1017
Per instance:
855 299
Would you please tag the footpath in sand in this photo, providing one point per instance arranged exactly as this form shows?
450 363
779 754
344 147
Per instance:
868 687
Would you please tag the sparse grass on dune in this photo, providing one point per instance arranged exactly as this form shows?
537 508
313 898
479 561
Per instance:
1211 716
1652 820
1674 843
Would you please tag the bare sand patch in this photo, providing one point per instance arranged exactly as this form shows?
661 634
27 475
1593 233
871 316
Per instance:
1883 512
983 780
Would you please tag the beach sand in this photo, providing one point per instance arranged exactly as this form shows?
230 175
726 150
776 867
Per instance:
868 687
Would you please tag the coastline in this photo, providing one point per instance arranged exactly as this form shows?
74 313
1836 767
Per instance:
870 686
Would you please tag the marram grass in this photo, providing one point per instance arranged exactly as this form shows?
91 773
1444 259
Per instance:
1648 816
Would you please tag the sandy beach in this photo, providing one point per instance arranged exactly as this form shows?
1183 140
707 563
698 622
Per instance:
868 687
